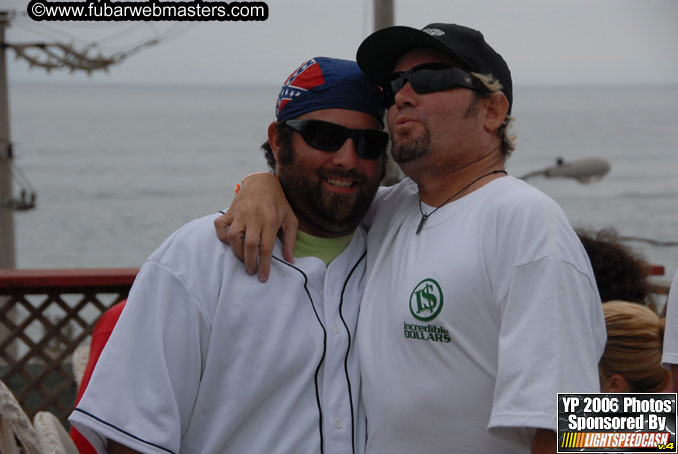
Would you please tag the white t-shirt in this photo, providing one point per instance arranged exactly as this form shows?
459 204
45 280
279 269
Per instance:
468 330
670 355
206 359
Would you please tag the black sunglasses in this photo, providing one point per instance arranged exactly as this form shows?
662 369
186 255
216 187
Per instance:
326 136
428 78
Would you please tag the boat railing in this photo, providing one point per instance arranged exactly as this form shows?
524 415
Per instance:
44 316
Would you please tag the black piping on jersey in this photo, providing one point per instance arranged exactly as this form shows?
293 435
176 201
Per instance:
122 431
322 359
348 348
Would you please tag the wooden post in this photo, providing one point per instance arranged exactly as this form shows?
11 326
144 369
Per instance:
383 14
384 17
7 258
6 214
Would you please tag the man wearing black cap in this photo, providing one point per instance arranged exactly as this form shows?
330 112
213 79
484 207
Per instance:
480 304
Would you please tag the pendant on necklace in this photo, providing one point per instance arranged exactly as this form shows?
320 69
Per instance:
424 218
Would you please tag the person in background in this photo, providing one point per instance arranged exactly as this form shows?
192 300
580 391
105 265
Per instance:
479 295
205 359
670 354
632 360
621 273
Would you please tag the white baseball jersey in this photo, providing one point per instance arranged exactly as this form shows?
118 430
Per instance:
468 330
206 359
670 354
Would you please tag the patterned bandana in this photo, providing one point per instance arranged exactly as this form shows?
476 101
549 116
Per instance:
328 83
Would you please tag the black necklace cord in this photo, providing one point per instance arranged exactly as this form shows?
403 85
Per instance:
425 216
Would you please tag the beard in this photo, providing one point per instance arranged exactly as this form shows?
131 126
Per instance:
322 209
405 150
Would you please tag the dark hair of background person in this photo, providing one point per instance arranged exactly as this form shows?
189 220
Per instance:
621 273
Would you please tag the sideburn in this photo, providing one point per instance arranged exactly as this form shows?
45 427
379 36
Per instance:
472 108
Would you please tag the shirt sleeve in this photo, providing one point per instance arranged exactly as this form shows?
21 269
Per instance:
551 325
551 338
142 391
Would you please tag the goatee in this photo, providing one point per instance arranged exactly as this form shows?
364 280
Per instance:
405 150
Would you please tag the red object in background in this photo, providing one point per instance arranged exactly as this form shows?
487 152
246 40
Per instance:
656 270
102 331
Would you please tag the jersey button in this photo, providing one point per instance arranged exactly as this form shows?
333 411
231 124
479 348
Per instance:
338 423
337 328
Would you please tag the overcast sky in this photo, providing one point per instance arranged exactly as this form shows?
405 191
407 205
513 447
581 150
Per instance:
543 41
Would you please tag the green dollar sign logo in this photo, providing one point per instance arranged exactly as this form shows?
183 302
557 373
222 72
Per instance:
426 300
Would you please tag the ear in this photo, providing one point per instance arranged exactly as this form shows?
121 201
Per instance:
497 108
273 138
615 384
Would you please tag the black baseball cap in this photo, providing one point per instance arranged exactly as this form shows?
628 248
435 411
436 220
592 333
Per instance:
379 52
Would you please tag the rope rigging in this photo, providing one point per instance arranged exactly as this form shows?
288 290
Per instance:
64 50
61 50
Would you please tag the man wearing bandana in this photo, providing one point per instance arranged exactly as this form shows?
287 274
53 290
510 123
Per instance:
206 359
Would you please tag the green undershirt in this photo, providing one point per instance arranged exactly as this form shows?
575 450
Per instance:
326 249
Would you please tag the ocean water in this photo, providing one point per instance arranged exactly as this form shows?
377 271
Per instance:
119 168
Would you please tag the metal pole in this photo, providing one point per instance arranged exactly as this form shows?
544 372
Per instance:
7 257
383 14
